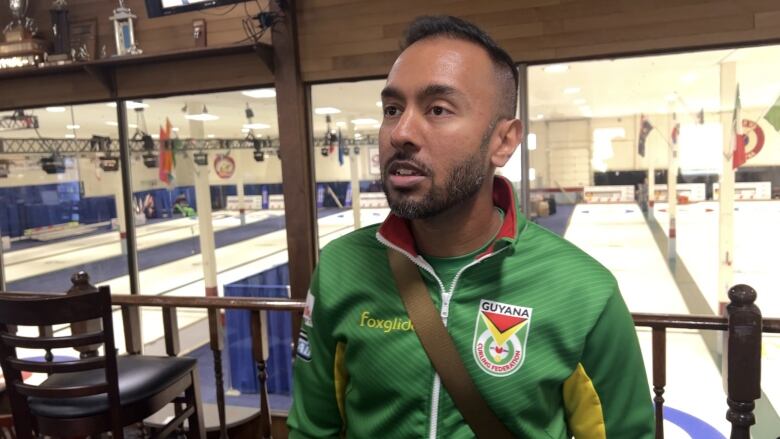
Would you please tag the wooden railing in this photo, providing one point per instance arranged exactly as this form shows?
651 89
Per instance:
742 326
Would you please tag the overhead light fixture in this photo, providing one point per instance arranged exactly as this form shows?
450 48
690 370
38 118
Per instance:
114 124
203 116
53 164
571 90
341 124
72 127
556 68
201 158
379 104
130 105
109 164
364 121
540 116
55 109
326 110
70 136
255 126
210 136
150 160
260 93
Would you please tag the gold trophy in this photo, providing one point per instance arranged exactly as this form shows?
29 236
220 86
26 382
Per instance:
21 47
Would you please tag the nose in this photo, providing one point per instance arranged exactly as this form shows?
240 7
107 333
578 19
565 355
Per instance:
405 133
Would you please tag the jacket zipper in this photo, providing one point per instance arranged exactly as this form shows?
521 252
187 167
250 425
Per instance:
446 296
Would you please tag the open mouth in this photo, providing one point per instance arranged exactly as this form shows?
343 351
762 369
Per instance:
405 169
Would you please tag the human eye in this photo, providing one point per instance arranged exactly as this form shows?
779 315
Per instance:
391 110
438 110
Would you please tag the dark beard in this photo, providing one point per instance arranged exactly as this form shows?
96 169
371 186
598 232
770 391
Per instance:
462 183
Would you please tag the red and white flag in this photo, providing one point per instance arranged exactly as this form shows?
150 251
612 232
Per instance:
738 157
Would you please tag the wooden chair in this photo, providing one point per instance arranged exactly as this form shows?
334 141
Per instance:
94 394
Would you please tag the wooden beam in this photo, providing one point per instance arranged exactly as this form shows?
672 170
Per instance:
296 152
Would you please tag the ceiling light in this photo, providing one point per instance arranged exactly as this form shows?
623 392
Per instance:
571 90
540 116
244 130
131 105
365 121
70 136
580 101
114 124
55 109
379 104
203 116
326 110
256 126
556 68
210 136
72 127
260 93
341 124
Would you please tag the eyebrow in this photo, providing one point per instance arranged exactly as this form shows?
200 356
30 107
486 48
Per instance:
431 91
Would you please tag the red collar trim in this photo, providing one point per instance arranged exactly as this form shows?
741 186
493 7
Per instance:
398 231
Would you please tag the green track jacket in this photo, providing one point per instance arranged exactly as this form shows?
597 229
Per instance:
540 325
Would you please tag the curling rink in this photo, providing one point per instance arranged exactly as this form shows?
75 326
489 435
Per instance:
618 236
615 234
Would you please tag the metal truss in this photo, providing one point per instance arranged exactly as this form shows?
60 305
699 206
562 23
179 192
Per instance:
105 145
77 146
18 122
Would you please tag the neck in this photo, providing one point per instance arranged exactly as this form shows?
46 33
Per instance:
460 230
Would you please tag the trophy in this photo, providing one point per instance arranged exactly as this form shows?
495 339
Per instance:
21 47
123 30
61 29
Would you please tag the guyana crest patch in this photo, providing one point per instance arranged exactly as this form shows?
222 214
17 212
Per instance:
500 335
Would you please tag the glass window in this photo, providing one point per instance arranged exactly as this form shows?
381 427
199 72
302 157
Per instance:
345 121
58 192
610 135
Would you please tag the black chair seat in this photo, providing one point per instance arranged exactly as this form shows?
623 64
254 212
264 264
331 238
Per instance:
140 377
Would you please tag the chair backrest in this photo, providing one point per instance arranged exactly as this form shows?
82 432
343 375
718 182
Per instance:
36 310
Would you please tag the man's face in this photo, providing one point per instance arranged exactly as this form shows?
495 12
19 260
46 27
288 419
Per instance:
437 133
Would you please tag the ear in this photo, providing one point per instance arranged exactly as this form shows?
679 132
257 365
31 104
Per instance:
510 131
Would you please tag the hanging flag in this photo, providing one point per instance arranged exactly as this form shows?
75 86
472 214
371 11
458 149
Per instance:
644 131
773 115
738 157
676 130
170 150
162 171
165 154
341 149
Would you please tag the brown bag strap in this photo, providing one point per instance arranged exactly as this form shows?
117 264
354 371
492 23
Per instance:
441 350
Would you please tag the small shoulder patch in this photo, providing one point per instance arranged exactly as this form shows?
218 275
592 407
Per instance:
308 309
303 351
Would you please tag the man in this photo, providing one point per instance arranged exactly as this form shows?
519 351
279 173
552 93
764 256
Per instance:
540 326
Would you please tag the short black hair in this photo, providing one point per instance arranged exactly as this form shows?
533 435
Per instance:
453 27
